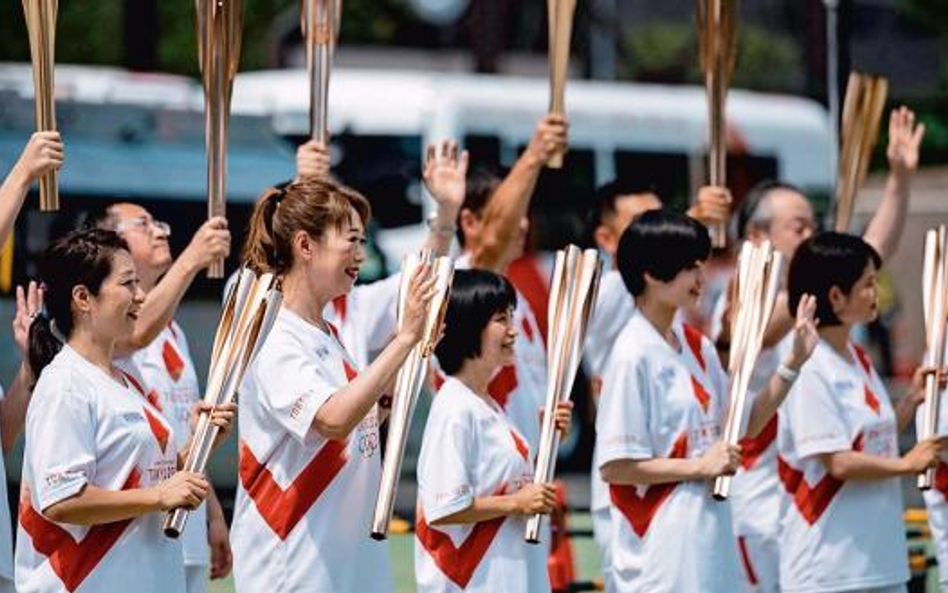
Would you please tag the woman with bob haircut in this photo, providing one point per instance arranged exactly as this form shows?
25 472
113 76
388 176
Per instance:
839 461
475 470
99 465
662 410
309 432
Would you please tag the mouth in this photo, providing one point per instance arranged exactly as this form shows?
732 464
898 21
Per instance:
133 315
352 272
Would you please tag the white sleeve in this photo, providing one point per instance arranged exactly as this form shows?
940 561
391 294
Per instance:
291 387
445 484
61 450
815 419
622 421
375 308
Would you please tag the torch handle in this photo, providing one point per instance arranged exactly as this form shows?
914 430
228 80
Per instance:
722 487
926 479
196 462
929 425
532 532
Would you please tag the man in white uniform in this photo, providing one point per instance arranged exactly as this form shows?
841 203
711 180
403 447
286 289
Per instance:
164 362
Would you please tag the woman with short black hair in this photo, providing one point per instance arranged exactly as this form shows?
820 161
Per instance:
475 470
661 415
837 443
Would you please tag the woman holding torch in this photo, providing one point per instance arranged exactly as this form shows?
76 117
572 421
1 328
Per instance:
309 449
475 470
661 414
98 468
837 443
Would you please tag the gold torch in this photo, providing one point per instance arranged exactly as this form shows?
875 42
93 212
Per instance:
573 291
717 33
753 297
219 27
935 305
560 26
320 21
410 379
247 318
41 23
862 111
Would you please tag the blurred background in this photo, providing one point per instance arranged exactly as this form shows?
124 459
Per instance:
410 72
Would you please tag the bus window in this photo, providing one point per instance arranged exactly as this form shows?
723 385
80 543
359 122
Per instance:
666 172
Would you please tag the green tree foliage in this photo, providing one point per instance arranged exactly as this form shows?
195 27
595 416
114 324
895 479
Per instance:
91 32
668 53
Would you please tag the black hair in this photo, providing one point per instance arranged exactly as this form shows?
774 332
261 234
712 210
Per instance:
481 185
476 296
755 200
660 243
826 260
607 196
81 258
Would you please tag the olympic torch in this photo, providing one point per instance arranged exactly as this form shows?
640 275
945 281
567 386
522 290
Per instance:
41 25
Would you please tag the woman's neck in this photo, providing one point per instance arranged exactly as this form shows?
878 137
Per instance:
476 376
837 336
95 349
660 315
300 298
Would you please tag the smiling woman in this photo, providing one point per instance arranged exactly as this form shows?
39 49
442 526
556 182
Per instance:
99 464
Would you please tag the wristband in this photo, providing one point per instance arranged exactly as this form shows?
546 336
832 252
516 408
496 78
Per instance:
787 374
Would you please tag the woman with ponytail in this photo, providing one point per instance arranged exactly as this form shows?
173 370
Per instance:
309 443
98 470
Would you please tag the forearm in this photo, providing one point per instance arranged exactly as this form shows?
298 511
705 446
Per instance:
651 471
12 194
95 506
441 232
159 307
215 511
484 508
856 465
766 404
13 407
905 410
504 212
885 229
342 412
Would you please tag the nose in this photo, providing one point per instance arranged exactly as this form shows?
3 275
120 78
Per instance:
139 297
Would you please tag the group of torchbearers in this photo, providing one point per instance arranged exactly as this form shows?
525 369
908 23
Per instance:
763 459
109 397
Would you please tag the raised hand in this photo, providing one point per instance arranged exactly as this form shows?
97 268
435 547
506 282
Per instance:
805 336
210 243
905 140
29 304
421 289
550 137
312 160
445 175
43 153
713 206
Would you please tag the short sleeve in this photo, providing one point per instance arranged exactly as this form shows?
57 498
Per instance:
291 387
61 449
622 421
445 484
814 418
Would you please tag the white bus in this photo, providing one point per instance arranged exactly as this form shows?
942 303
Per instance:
384 118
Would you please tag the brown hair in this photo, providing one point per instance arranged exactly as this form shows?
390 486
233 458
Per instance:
312 205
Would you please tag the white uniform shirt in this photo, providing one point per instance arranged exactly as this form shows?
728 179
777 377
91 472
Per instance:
471 449
366 317
838 535
658 403
304 502
936 499
171 385
83 427
614 307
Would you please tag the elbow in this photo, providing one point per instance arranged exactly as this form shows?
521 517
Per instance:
610 472
836 466
331 428
60 512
